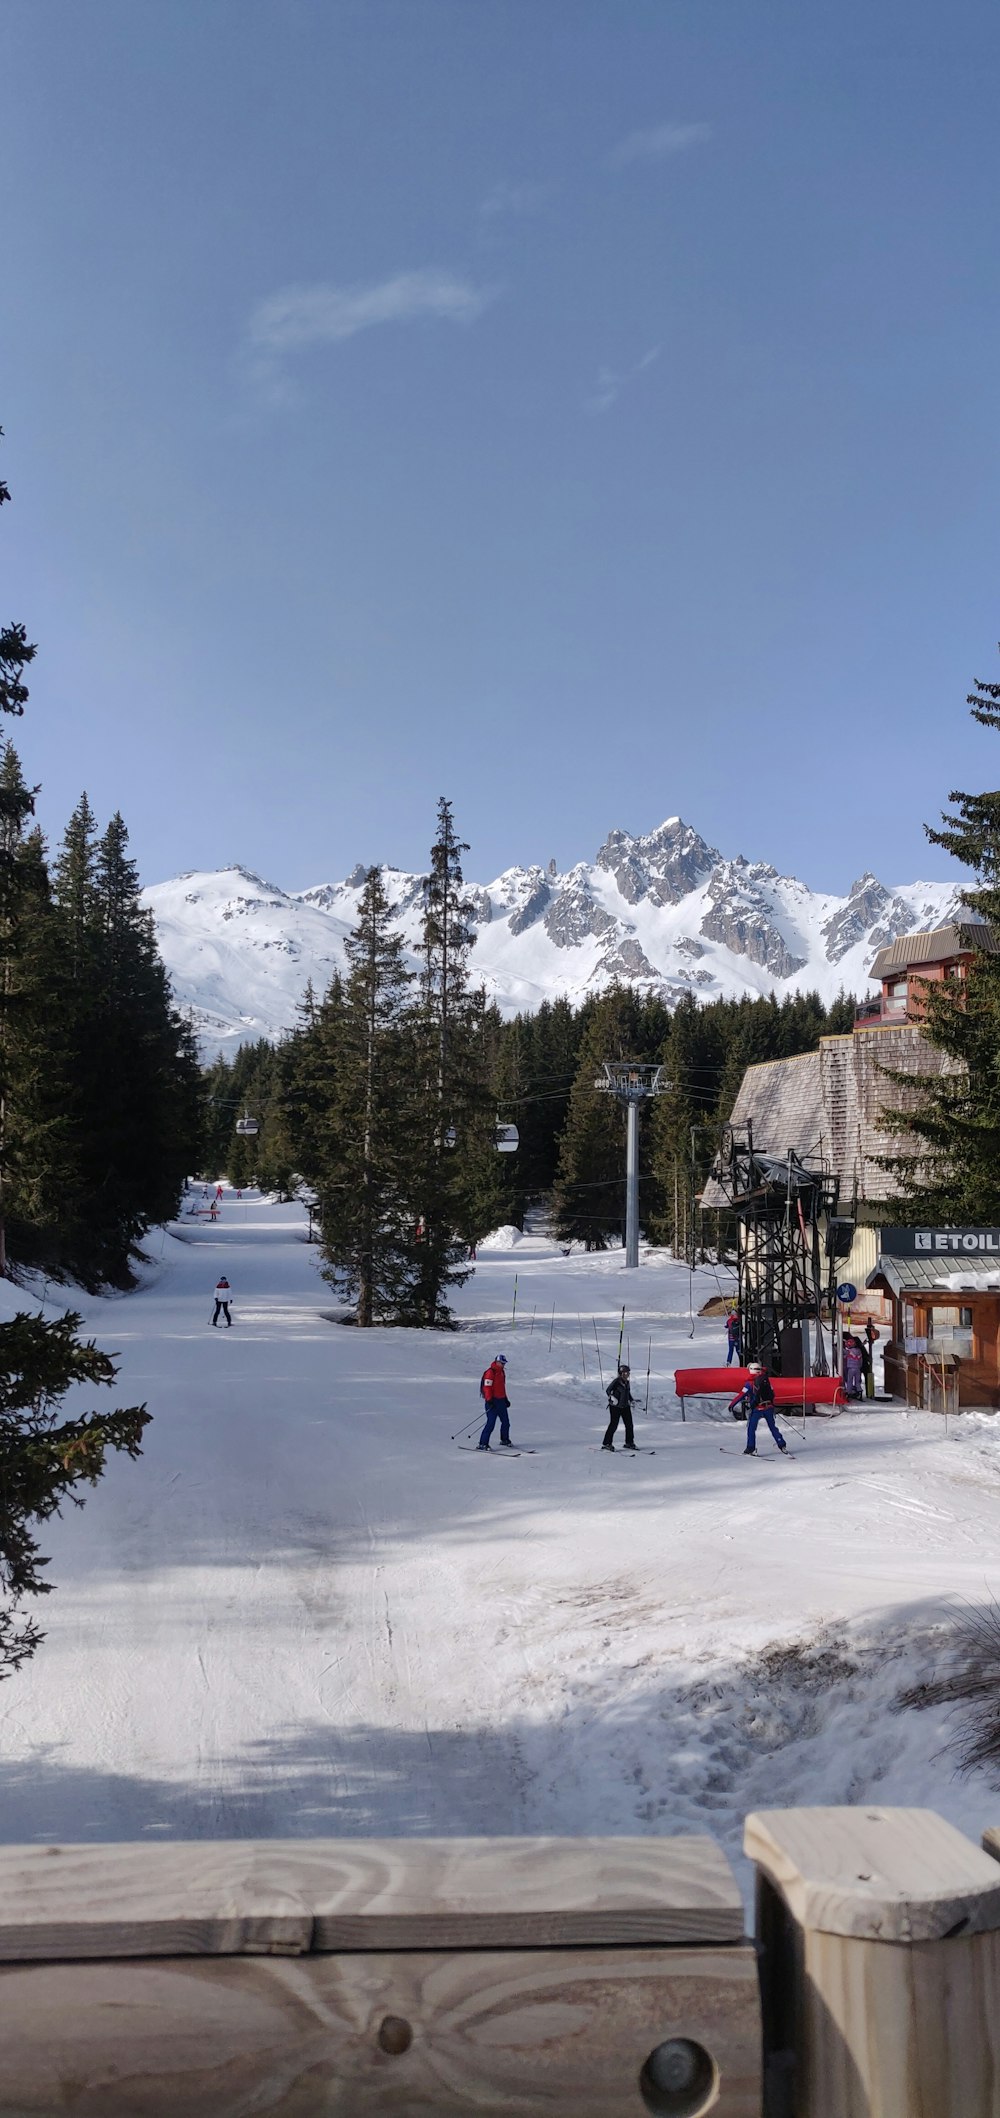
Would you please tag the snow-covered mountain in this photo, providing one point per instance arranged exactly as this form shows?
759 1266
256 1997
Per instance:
665 912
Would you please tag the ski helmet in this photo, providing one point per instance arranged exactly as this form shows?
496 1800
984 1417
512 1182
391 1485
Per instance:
502 1358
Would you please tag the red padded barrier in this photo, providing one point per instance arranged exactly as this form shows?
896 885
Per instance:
788 1389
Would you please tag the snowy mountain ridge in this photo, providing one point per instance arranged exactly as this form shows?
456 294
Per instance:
663 911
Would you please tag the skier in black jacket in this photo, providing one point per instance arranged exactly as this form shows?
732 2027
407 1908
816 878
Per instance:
620 1407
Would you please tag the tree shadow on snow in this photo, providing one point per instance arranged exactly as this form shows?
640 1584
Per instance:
822 1718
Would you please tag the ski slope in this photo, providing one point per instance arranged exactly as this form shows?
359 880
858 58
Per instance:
306 1611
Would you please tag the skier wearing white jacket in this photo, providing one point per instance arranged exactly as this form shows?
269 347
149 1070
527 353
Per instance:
223 1297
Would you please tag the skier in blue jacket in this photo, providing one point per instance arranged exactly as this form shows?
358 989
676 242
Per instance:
758 1398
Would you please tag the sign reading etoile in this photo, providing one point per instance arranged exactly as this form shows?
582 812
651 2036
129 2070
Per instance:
939 1242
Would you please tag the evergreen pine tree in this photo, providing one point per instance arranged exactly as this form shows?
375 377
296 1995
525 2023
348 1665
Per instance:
457 1189
133 1095
28 1023
682 1140
42 1462
15 650
953 1175
307 1068
365 1207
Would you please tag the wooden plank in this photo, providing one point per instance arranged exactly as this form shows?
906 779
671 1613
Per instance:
526 2032
286 1897
542 1893
882 1874
888 2030
203 1898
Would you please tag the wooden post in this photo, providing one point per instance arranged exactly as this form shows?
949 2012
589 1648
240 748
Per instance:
354 1978
879 1932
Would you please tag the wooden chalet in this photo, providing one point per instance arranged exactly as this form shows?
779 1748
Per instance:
943 1290
934 1293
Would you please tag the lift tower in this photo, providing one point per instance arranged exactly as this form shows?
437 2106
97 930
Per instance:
789 1239
632 1083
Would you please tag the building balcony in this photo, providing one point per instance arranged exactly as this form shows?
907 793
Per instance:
882 1010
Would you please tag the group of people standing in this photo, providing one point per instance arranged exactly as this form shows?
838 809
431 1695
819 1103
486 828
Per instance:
857 1367
493 1391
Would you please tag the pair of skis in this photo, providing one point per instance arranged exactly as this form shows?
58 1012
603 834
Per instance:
475 1450
759 1455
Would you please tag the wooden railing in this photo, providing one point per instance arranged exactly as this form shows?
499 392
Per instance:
593 1978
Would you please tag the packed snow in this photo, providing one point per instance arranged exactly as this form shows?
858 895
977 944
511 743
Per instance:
309 1610
664 912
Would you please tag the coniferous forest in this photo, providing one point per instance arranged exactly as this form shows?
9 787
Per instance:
100 1100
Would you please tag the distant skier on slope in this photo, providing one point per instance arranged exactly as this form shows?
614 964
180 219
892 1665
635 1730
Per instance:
757 1396
223 1297
619 1396
733 1337
493 1391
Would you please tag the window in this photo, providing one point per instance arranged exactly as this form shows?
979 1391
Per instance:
949 1329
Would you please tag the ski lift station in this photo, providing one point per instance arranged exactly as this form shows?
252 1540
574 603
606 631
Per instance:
811 1132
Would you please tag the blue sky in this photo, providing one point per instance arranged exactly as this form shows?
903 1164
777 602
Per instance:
586 408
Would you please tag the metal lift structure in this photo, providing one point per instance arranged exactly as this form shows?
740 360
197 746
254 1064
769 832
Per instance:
788 1244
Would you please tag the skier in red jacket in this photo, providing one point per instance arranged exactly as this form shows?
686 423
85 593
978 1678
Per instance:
493 1391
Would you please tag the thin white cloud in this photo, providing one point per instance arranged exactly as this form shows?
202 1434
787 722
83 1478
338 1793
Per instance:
513 198
656 143
326 314
297 317
610 382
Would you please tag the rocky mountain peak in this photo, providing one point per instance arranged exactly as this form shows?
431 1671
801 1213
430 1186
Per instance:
663 865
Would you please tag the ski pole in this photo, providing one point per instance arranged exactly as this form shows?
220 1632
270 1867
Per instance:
466 1430
583 1353
513 1312
621 1335
597 1342
649 1356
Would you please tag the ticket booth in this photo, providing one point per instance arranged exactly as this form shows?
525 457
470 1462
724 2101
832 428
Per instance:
944 1288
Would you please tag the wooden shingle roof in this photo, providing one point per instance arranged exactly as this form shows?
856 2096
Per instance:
827 1105
935 946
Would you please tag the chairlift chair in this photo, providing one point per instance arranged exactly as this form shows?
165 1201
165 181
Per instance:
247 1127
